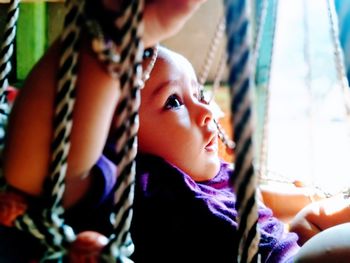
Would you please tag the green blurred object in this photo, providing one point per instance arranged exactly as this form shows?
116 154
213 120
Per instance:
31 41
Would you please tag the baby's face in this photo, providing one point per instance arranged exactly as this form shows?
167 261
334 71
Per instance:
174 124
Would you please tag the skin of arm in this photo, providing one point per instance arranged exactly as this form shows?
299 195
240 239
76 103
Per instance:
320 216
27 152
287 201
322 226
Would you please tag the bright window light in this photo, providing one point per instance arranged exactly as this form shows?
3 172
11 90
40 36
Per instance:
308 129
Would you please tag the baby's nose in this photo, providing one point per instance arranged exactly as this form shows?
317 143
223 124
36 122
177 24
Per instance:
205 114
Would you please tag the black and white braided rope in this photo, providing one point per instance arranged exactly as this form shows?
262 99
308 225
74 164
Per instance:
49 227
124 131
123 59
125 63
7 48
244 179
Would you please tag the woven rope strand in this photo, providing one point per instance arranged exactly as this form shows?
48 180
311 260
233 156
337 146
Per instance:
24 222
123 60
50 228
244 181
7 45
124 194
5 68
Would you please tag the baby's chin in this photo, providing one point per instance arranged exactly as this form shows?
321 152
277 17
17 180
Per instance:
208 171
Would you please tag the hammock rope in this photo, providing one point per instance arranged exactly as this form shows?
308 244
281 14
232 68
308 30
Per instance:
203 76
5 68
209 59
243 178
124 133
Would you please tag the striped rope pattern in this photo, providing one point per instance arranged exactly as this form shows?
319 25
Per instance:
244 180
24 222
64 102
123 57
5 68
49 226
7 45
124 135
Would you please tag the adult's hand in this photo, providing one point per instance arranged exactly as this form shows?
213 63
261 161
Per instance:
162 18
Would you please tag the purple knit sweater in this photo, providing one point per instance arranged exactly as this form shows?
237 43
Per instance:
179 220
175 219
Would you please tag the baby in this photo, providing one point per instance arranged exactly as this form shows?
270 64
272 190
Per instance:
184 207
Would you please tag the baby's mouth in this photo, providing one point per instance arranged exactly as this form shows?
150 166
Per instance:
212 146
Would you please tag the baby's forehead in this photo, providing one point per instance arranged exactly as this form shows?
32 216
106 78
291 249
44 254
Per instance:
176 60
169 64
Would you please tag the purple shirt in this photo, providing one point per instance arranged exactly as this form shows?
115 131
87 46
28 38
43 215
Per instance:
179 220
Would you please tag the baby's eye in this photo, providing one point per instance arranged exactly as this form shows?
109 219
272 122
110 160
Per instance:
173 102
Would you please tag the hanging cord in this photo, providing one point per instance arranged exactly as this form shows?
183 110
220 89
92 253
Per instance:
122 57
49 227
218 76
209 59
226 140
338 56
5 68
229 144
268 175
243 178
203 76
7 45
